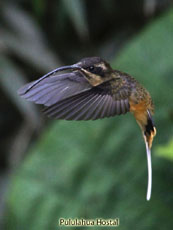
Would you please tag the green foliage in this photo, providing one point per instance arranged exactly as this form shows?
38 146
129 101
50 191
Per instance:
77 13
12 79
166 151
98 168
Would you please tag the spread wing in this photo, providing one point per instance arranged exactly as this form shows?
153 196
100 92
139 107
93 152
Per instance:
69 96
54 88
95 103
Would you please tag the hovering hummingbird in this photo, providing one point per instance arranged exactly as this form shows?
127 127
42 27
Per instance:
93 90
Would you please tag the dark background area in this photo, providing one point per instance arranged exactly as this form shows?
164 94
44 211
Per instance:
39 35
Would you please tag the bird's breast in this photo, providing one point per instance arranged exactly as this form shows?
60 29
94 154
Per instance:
140 101
139 111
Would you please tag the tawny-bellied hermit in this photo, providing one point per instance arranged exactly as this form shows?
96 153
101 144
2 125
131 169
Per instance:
93 90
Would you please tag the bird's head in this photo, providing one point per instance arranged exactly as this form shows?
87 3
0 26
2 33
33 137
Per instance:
95 70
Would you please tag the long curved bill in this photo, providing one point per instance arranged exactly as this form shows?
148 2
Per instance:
62 68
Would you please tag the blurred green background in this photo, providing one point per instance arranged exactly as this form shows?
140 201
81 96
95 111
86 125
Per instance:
52 169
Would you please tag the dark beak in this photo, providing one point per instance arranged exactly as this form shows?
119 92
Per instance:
62 68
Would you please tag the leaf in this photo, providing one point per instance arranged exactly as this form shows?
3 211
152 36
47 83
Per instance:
76 11
11 80
166 151
26 40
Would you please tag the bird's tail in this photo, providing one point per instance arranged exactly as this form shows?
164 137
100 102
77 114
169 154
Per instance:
149 133
149 130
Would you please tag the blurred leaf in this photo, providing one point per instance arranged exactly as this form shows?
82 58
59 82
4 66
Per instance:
98 168
26 40
166 151
39 6
77 12
11 79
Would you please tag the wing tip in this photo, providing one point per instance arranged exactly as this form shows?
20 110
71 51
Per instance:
22 91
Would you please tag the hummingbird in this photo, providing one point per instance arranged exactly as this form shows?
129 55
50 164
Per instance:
90 90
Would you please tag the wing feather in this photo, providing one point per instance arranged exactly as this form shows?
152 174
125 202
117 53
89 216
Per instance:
65 105
69 96
99 108
76 113
89 105
55 88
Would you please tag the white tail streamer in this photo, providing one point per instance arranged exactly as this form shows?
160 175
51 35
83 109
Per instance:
149 164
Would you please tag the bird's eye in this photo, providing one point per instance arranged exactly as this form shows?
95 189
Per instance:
91 68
